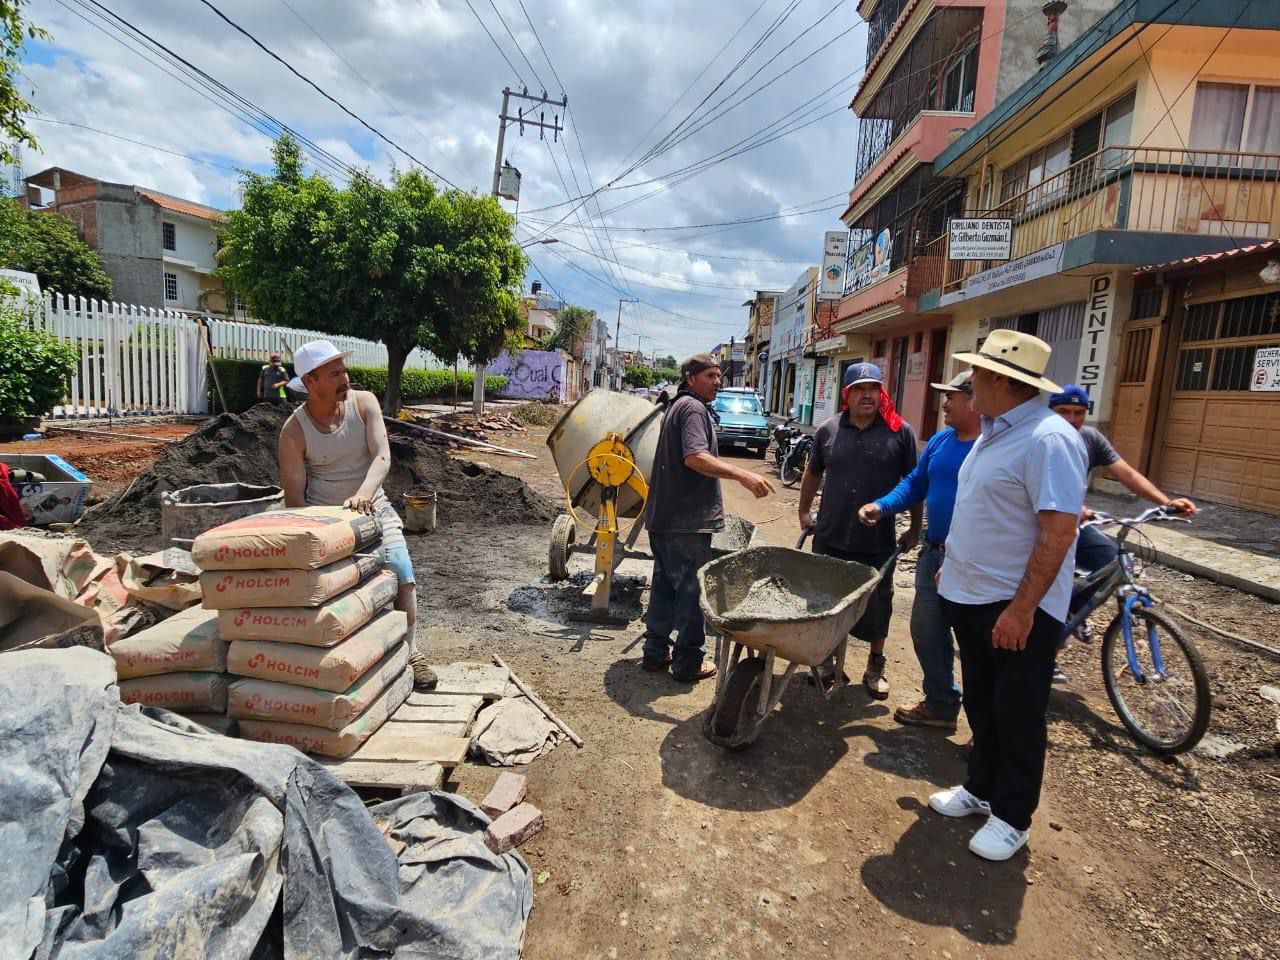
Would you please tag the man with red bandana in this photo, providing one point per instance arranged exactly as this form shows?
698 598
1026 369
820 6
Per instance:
863 452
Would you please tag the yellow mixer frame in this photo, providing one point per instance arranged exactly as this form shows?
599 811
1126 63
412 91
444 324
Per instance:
612 465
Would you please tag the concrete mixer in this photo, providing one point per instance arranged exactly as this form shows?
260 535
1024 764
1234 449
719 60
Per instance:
603 448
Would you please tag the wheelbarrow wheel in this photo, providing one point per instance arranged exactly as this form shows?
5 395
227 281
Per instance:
735 713
563 534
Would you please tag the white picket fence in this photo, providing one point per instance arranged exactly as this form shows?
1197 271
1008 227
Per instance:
140 361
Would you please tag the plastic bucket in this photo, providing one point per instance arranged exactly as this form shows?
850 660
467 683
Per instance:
420 511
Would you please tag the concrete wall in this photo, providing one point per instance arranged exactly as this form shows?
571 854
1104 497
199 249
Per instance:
1024 28
128 239
196 242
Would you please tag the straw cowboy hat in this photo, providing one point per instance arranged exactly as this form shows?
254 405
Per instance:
1018 356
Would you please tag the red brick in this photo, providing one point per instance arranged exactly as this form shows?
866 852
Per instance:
513 828
509 790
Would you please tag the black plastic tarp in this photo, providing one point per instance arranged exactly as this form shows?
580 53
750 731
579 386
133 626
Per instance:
128 832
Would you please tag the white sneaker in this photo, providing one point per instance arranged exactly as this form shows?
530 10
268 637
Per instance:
997 840
958 802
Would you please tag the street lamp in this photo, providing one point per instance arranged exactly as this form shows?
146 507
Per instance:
534 243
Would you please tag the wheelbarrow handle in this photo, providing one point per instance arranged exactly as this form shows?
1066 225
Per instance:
804 535
888 564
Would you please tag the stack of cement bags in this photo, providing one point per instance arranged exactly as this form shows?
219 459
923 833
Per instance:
179 664
321 661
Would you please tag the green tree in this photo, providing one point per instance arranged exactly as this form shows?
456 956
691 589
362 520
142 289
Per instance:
668 362
35 367
669 374
47 245
635 376
13 105
404 264
572 323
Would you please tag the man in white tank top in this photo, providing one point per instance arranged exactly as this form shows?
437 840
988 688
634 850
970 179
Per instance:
334 452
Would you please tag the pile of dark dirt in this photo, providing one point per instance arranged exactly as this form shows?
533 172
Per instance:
241 448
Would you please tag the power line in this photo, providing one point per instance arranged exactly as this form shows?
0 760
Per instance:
495 43
365 80
324 93
200 82
519 49
141 143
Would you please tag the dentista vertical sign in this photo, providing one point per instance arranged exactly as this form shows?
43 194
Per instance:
1095 341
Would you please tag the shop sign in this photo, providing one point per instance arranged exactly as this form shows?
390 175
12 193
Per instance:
869 262
1042 263
835 254
915 366
980 239
1095 341
1266 369
831 344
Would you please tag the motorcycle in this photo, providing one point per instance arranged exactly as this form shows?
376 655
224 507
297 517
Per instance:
783 434
796 460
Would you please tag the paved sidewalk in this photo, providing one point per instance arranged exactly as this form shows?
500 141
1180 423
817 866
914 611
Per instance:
1239 548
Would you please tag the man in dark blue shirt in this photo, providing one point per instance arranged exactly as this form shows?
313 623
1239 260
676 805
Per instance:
863 451
934 481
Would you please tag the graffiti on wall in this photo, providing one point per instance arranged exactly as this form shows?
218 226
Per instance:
531 375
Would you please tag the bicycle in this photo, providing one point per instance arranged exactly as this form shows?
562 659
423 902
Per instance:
1139 663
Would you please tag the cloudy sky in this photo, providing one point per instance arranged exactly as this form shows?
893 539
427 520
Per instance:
654 87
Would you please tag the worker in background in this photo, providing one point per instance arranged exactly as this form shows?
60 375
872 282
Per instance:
934 481
273 380
1006 583
684 509
334 452
864 451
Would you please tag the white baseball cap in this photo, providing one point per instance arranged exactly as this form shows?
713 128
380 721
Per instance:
311 355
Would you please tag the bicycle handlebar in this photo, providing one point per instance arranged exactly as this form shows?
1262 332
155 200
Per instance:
1151 513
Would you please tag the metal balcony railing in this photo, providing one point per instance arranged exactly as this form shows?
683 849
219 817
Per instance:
1215 193
882 19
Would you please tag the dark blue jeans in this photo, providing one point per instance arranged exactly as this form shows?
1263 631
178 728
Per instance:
1094 550
673 600
931 637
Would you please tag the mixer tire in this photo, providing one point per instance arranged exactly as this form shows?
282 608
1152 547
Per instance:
563 534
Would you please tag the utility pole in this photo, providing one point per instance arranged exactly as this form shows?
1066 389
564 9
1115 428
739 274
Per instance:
505 120
731 344
617 342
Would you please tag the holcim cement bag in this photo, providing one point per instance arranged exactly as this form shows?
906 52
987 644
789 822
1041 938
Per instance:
332 668
231 589
270 700
185 642
333 743
321 626
300 539
180 692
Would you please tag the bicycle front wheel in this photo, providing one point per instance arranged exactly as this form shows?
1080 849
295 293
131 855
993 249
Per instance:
1158 687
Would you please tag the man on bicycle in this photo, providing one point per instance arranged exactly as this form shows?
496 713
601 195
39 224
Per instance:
1094 549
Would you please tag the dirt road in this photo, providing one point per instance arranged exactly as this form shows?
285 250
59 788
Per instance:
816 841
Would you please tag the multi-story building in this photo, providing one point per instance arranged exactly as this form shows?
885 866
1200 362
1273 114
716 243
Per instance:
1154 137
788 369
934 68
160 251
762 307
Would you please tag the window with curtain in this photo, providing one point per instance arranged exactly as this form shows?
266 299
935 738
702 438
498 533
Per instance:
1264 121
1217 119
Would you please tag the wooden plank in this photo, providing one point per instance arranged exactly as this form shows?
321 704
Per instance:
409 742
463 712
431 728
419 699
471 679
419 775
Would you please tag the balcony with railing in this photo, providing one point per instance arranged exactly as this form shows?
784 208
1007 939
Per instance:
938 72
880 23
1153 190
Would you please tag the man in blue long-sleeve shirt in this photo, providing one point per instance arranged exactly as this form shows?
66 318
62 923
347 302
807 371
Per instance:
934 481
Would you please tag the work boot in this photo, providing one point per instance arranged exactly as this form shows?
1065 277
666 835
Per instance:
705 671
424 678
874 679
921 716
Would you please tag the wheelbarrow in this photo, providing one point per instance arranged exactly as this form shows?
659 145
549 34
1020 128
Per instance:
835 594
